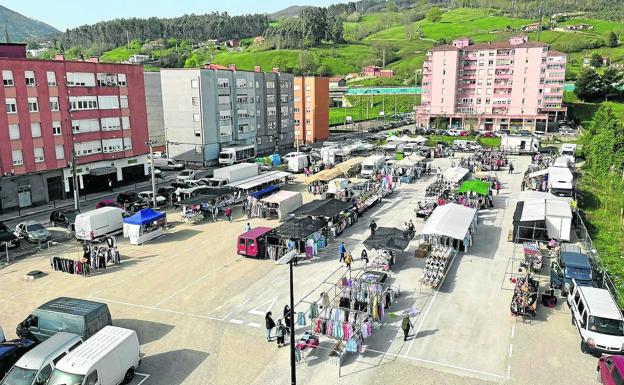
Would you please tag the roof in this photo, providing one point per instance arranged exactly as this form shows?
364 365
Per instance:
144 217
258 180
299 228
533 210
280 196
100 210
256 232
556 53
72 306
35 358
575 259
389 238
336 79
455 174
600 302
347 165
450 220
91 351
489 45
265 191
325 175
10 345
322 208
444 47
477 186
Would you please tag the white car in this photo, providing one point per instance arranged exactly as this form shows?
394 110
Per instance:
147 195
454 132
185 175
292 155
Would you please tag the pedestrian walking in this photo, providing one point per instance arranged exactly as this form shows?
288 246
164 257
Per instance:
348 260
364 257
342 249
244 207
269 324
406 325
280 331
498 186
511 168
110 185
247 227
287 318
412 228
215 212
405 231
228 214
373 228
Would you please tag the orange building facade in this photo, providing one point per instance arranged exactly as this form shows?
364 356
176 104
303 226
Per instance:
311 106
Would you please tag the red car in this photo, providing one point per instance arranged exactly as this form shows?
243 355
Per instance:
489 134
107 203
610 370
464 133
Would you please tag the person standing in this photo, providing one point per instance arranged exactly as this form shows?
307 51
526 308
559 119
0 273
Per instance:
348 260
373 228
406 231
364 257
511 168
287 318
247 227
280 331
110 184
498 186
228 214
406 325
215 212
269 324
342 249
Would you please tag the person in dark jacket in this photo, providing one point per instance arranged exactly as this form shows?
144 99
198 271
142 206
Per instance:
287 318
280 332
269 324
406 325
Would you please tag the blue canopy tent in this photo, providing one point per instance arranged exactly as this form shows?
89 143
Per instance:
143 226
265 192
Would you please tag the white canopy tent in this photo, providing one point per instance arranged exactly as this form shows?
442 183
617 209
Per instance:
562 161
258 180
405 139
286 201
393 138
450 220
558 219
455 174
538 173
420 139
558 175
535 195
533 210
562 185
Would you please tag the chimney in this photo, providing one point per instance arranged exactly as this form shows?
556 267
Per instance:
59 56
257 69
94 59
232 67
276 70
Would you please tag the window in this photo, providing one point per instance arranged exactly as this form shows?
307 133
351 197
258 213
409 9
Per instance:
17 157
123 101
54 103
109 102
259 140
7 78
308 99
241 83
127 144
80 79
198 150
297 88
85 125
112 145
223 83
194 83
39 155
78 103
195 100
60 152
87 148
125 123
196 117
30 78
309 88
35 130
110 124
14 132
51 78
197 134
223 99
92 379
270 84
33 105
121 80
11 105
56 128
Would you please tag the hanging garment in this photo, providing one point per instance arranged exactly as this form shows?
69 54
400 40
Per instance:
313 310
301 319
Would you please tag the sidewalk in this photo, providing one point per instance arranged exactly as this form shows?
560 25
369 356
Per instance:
86 202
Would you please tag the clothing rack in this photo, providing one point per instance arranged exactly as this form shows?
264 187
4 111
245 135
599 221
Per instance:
94 258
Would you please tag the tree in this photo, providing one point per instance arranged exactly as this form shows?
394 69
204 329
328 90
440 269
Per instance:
308 63
595 60
440 123
434 15
589 85
612 39
612 82
390 6
605 141
410 31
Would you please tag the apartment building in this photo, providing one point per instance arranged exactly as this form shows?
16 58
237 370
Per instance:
155 114
515 84
58 109
214 107
311 108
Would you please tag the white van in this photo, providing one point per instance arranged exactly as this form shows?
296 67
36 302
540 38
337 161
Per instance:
99 223
167 164
110 357
36 366
371 165
597 318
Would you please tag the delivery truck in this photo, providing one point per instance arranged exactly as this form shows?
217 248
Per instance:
297 163
519 144
237 154
234 173
371 165
99 223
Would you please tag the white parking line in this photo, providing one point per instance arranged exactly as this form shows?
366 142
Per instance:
162 310
510 350
513 330
260 291
245 301
146 376
253 325
236 321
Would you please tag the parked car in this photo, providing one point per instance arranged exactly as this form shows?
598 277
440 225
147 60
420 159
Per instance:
7 239
167 192
64 218
32 232
291 155
148 195
107 203
131 201
11 351
185 175
489 134
611 370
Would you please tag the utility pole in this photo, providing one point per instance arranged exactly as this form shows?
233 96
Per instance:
151 144
75 180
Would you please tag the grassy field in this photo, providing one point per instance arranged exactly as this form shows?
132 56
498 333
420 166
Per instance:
358 111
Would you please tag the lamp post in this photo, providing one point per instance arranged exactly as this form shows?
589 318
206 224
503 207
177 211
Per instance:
288 259
151 144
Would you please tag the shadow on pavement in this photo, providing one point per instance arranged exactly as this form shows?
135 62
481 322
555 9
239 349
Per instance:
173 367
147 331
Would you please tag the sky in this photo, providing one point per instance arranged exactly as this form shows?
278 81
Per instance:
63 14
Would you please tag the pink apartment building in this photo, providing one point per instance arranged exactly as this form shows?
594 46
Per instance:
56 110
516 84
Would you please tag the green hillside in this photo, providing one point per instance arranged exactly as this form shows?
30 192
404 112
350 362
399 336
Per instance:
20 28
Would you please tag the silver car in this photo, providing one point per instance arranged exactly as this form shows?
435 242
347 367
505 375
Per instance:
32 232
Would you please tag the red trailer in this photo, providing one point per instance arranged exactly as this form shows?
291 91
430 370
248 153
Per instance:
252 243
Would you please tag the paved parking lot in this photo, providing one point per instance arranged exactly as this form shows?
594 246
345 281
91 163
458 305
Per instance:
198 307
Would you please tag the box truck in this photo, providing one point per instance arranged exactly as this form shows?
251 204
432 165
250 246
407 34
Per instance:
236 154
167 164
234 173
110 357
297 163
99 223
372 164
519 144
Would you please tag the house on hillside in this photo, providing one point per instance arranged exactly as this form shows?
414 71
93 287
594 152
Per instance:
606 62
138 59
337 82
377 72
232 43
580 27
531 27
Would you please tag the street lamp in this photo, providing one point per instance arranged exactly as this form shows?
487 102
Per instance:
288 258
151 144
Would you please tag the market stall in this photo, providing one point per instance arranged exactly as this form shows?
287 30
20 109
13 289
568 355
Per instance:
351 167
339 188
282 203
261 181
388 243
409 168
306 235
337 214
144 226
317 183
474 193
208 203
525 297
455 174
544 218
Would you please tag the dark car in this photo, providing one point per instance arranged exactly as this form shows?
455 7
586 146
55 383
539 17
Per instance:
64 218
11 352
7 238
131 201
167 192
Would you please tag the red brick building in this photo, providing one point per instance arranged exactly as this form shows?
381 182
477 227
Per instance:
377 72
58 109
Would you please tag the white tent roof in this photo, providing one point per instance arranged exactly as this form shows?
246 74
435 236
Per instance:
559 174
538 173
419 139
393 138
562 161
405 162
558 219
562 185
254 181
455 174
556 208
280 196
405 138
534 210
416 158
450 220
533 195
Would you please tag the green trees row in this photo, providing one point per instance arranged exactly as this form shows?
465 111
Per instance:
604 142
591 86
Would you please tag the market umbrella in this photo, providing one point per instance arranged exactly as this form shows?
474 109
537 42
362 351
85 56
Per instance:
477 186
420 139
405 139
393 138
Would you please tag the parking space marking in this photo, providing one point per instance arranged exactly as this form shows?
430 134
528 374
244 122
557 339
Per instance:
236 321
513 330
160 309
245 301
261 313
510 350
253 325
476 371
260 291
145 377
